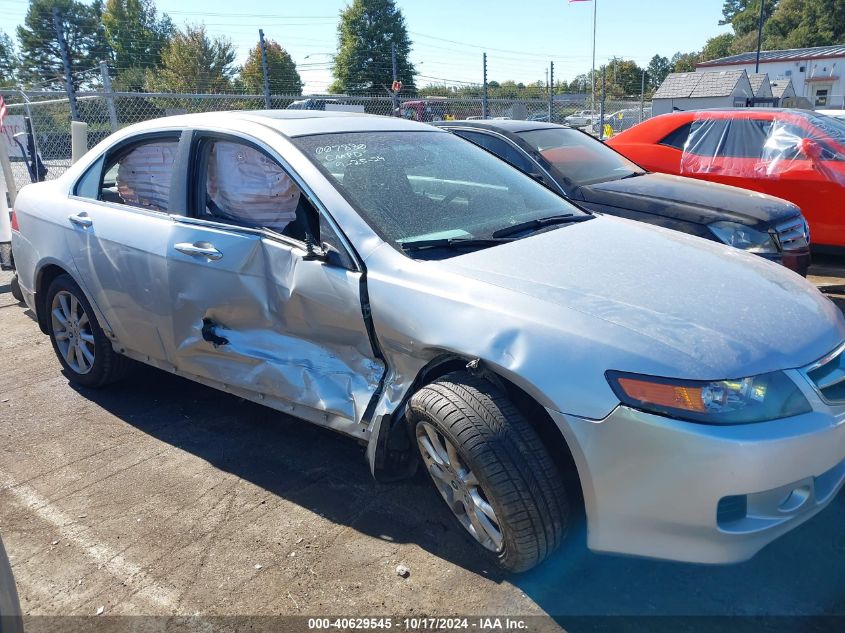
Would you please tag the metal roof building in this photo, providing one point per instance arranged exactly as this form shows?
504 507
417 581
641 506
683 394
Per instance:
817 73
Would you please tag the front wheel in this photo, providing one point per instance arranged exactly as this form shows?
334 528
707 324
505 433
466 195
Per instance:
491 469
78 340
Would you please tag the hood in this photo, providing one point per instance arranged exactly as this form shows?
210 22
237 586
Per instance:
689 199
724 313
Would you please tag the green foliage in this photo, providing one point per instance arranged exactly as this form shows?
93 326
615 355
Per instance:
284 78
800 23
657 70
136 35
40 56
744 15
685 62
366 30
194 62
8 61
718 46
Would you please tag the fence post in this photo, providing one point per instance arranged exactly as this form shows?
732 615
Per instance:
551 89
265 71
394 93
601 105
484 110
107 89
60 35
642 98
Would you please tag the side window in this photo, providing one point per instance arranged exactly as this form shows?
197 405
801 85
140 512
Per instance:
677 138
138 176
745 138
89 185
500 148
242 185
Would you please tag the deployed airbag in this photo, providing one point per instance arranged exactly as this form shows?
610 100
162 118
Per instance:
249 187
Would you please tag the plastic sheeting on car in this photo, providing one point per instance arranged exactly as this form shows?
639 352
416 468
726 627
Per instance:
143 175
759 148
249 187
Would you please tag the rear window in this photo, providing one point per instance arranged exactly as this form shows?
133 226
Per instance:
677 138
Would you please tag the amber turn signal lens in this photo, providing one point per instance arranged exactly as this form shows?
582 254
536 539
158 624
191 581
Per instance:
673 396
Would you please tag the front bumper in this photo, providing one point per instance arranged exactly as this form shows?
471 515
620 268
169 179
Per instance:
797 260
663 488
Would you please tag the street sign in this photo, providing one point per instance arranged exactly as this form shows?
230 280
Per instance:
13 124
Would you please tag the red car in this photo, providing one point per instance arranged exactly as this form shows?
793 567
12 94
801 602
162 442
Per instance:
792 154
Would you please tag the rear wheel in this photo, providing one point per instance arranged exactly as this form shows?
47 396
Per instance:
78 340
491 469
16 289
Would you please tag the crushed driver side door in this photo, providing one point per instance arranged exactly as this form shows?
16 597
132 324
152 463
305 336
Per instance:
253 315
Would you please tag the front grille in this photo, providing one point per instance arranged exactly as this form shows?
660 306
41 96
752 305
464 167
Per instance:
828 375
793 234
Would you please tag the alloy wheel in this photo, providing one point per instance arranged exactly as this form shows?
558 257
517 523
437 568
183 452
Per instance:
72 331
459 487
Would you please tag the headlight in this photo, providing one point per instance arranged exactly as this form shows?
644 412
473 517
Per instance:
742 237
741 401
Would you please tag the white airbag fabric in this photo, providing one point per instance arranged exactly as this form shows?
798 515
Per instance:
143 176
247 186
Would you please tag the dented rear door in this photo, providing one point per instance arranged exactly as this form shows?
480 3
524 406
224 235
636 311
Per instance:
250 313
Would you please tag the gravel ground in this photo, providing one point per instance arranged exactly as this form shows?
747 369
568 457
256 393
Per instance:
161 496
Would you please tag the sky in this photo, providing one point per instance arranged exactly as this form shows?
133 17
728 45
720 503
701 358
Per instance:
449 36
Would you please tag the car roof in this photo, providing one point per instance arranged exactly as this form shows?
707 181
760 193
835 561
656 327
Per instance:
500 125
293 122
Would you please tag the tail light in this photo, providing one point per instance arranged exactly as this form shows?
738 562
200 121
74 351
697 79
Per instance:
15 226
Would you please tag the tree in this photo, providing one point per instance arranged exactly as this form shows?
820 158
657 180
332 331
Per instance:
194 62
800 23
657 70
365 33
40 56
744 15
8 61
718 46
136 35
684 62
284 79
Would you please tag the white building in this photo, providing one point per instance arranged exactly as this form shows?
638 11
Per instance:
816 73
700 90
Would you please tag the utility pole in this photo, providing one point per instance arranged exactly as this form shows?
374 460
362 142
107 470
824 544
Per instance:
107 89
264 69
593 75
551 89
759 36
642 98
484 108
395 79
60 35
601 104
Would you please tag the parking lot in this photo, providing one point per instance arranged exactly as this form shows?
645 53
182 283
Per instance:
161 496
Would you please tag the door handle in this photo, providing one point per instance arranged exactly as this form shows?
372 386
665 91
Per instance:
81 219
199 249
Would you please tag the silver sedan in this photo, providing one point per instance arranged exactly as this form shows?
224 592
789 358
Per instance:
397 284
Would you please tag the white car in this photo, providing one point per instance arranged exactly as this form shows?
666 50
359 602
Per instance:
397 284
581 118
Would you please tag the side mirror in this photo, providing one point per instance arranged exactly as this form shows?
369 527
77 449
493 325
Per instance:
811 149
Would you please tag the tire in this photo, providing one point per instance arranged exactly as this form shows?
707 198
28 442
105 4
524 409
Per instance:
16 289
94 363
496 458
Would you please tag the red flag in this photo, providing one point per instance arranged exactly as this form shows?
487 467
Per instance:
2 112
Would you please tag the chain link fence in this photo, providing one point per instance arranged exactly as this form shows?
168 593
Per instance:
48 115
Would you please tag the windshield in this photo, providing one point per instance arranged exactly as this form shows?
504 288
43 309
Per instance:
579 157
413 186
832 126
